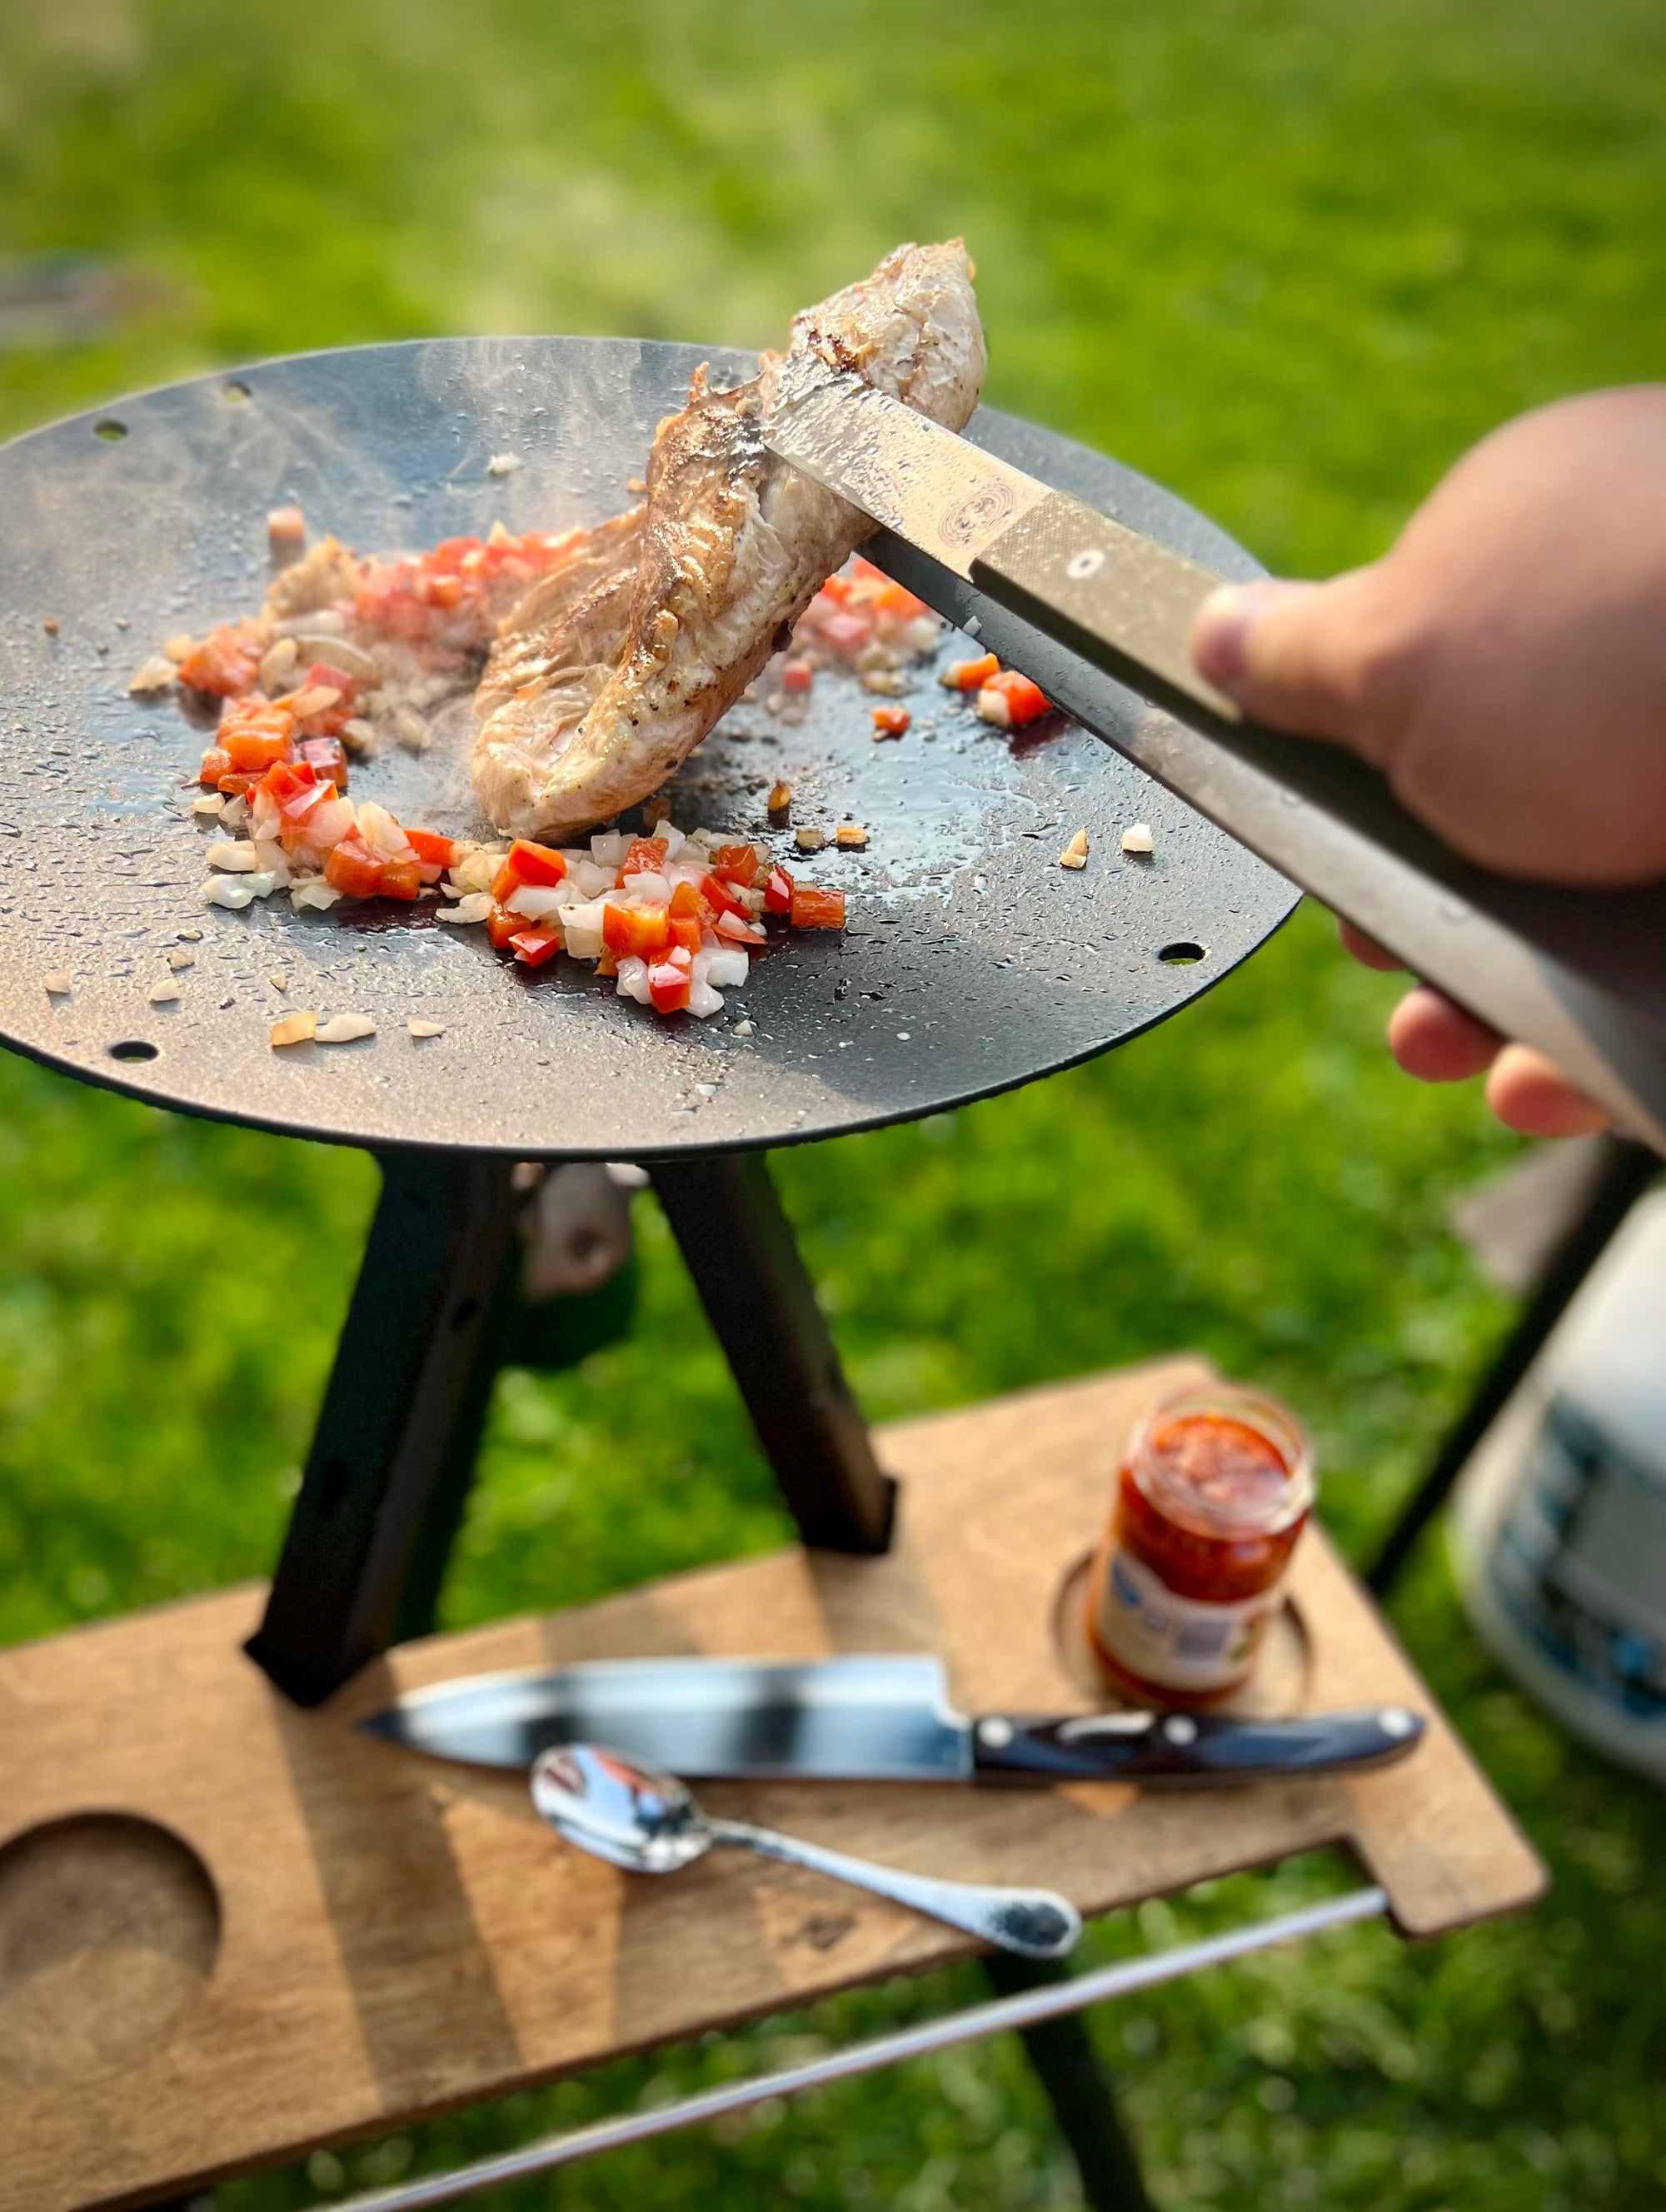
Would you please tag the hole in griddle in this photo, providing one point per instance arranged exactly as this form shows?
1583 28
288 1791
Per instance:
131 1049
1180 954
235 391
109 429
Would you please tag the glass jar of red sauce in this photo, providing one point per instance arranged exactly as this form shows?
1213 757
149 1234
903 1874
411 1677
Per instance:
1212 1491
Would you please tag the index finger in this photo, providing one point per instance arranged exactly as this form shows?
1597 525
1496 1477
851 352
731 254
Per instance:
1366 949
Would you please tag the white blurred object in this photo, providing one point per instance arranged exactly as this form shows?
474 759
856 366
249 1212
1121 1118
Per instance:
1560 1521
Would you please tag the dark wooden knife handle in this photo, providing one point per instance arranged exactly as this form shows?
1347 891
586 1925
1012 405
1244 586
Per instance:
1187 1748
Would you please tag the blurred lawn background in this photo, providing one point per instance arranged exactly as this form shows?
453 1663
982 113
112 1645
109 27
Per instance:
1290 259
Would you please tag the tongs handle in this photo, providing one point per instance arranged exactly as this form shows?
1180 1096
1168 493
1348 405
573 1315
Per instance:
1084 606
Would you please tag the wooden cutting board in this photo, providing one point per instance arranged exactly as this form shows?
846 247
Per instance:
231 1930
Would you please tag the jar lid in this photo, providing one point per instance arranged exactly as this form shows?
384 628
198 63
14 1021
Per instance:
1226 1463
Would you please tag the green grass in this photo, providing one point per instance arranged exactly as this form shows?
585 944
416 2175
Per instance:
1289 258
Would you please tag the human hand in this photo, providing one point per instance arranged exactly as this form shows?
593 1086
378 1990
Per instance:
1504 666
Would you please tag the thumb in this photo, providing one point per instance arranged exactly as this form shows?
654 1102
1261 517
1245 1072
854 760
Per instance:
1291 655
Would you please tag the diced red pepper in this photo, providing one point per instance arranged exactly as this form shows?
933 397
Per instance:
668 983
799 675
323 675
217 763
718 897
814 908
286 780
645 857
642 931
972 675
252 751
432 849
778 892
736 929
401 879
891 721
527 864
535 946
254 734
736 863
236 787
328 757
353 868
504 927
1025 701
687 916
847 632
221 663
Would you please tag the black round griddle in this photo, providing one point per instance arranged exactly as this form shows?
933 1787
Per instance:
972 962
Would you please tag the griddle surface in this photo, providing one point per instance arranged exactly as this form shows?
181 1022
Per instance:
972 962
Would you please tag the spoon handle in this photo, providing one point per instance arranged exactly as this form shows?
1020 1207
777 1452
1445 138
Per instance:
1037 1923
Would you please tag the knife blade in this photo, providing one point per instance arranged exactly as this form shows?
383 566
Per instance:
864 1717
1085 606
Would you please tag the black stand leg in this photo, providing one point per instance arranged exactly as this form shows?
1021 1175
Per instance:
1630 1168
1066 2063
386 1481
738 1247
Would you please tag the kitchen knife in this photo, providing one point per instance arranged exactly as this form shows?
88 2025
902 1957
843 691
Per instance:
1085 605
882 1717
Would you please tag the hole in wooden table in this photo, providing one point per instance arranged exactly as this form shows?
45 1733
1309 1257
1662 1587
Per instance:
109 1928
1277 1687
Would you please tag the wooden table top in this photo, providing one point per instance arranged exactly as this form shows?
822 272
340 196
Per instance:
237 1930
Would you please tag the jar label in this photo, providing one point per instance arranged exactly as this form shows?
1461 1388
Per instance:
1182 1643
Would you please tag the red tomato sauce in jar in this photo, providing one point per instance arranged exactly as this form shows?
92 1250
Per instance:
1212 1492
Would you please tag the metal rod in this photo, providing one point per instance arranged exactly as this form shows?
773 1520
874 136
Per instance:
1018 2013
1626 1173
739 1248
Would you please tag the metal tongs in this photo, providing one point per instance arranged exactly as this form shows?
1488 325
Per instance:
1083 605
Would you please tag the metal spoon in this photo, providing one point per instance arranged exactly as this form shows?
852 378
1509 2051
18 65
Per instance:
650 1823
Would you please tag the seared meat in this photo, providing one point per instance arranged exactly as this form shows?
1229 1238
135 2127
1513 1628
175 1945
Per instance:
613 667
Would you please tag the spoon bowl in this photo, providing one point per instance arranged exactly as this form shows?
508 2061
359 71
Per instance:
646 1822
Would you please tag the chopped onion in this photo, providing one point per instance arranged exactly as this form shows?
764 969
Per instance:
609 848
727 969
475 906
536 900
235 857
632 982
645 888
590 880
703 1001
581 926
378 829
235 892
330 822
314 892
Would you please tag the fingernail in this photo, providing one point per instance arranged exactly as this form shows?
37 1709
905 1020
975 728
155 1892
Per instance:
1222 626
1220 629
